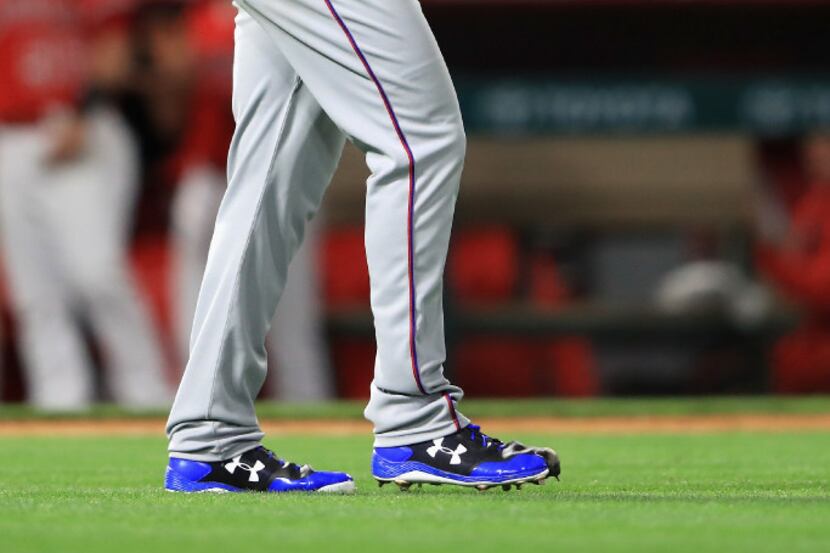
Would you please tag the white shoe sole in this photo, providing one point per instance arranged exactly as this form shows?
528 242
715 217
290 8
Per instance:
345 488
342 488
406 479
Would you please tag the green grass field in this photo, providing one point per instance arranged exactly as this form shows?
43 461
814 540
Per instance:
727 492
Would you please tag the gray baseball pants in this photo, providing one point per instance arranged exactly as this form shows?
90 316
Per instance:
307 75
296 341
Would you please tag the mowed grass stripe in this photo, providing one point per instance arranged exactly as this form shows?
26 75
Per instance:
736 492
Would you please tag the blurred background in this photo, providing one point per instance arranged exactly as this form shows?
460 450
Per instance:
645 208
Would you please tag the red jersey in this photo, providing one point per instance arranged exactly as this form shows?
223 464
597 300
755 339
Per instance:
42 57
211 125
107 15
210 30
801 268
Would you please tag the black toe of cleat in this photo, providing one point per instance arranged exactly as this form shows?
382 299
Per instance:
556 470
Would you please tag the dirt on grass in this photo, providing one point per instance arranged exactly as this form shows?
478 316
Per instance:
552 425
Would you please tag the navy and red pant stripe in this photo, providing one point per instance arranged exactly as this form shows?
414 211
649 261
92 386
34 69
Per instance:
410 213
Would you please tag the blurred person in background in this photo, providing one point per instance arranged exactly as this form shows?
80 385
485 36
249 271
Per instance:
794 254
189 55
68 174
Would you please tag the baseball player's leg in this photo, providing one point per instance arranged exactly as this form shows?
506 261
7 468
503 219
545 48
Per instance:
57 368
193 215
375 68
296 340
283 154
92 209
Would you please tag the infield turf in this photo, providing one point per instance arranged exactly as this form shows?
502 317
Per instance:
729 492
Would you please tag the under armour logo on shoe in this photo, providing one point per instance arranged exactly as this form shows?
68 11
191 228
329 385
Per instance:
253 471
455 456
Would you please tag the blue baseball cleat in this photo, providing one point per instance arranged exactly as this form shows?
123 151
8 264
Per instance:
255 470
465 458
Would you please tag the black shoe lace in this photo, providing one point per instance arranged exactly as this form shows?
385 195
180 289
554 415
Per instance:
292 468
478 436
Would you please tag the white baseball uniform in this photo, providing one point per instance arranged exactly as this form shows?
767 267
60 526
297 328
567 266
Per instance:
307 75
65 225
65 231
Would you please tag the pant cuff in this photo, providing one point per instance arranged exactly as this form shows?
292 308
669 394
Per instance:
401 438
210 441
238 449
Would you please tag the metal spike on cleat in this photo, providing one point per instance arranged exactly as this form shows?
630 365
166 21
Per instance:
403 485
518 486
505 487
